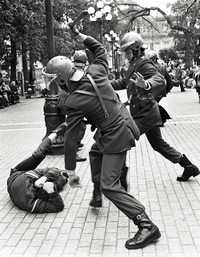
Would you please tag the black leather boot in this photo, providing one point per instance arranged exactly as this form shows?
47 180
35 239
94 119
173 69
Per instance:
148 232
189 169
123 178
96 200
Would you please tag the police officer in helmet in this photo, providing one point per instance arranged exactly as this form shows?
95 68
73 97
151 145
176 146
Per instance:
144 83
92 97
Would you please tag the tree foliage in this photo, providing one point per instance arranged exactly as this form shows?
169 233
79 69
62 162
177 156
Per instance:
24 21
185 20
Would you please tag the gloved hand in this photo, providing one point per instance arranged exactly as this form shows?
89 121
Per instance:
40 182
73 23
49 187
73 29
139 81
74 181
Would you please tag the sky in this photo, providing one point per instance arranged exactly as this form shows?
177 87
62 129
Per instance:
159 3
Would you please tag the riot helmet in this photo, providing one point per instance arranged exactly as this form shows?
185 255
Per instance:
80 61
59 69
132 45
133 40
80 58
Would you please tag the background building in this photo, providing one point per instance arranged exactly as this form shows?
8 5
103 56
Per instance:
156 35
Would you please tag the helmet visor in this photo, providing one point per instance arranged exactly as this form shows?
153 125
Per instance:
48 78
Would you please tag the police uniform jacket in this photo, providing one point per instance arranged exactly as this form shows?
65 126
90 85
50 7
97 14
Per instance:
143 106
116 131
26 196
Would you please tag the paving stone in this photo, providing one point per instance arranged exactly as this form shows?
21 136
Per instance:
81 231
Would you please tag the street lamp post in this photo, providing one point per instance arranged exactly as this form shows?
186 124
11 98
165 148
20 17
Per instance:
113 39
99 13
52 115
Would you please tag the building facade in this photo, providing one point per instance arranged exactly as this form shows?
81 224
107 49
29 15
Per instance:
156 34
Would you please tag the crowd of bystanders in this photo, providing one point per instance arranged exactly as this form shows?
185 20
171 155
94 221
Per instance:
8 92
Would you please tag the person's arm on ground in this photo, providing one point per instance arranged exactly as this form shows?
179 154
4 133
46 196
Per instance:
40 153
52 203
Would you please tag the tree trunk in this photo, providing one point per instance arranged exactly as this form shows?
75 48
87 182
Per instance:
49 26
189 50
25 65
31 72
13 60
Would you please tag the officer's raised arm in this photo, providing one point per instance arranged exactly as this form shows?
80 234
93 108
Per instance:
94 46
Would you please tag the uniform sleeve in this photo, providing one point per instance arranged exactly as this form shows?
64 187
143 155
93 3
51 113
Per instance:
53 204
74 123
98 51
151 75
119 84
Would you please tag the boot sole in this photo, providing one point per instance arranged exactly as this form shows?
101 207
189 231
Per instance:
153 239
180 179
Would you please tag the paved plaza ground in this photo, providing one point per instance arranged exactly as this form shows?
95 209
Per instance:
80 231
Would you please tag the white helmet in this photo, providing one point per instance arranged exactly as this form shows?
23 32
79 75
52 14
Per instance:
133 40
80 56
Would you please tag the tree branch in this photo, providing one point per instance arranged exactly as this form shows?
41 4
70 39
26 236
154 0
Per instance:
151 24
146 11
189 7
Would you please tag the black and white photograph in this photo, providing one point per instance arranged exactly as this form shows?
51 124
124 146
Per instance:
99 128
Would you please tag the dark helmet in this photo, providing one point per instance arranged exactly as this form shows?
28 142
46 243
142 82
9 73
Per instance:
80 57
133 40
59 68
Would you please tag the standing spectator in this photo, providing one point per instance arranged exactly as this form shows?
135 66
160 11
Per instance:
191 83
3 92
14 92
197 87
8 92
179 76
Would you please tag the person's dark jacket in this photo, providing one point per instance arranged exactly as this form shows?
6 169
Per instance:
197 80
26 196
169 82
115 133
143 106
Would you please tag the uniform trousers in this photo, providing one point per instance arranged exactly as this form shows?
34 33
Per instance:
157 142
106 170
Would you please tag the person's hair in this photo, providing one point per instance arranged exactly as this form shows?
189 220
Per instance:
55 175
